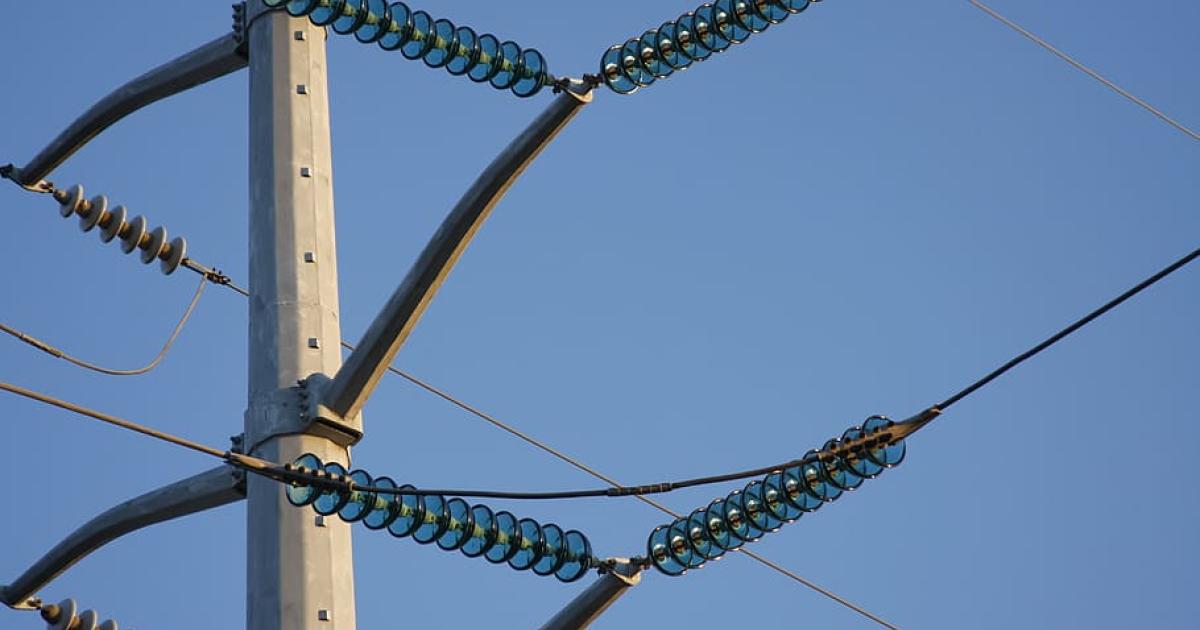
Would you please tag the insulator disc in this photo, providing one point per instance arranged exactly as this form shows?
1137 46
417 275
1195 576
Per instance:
631 64
420 40
679 546
775 498
137 229
385 509
887 456
109 625
651 58
437 520
553 551
508 539
668 50
332 500
659 552
445 44
686 39
533 73
325 12
771 10
301 495
488 63
74 198
99 207
532 543
739 524
860 463
794 494
358 503
706 30
727 23
346 24
483 535
699 537
410 513
116 221
509 66
274 3
399 29
88 620
459 525
755 508
158 237
578 557
815 482
376 23
67 609
838 470
793 6
748 16
614 77
301 8
718 527
178 253
467 53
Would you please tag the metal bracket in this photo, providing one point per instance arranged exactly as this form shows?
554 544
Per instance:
324 421
595 599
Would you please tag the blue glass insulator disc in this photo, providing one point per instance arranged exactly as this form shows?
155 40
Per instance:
793 491
554 554
610 71
274 3
399 29
533 73
718 527
487 64
386 506
376 23
651 57
659 552
707 33
793 6
509 65
668 48
772 10
325 12
736 519
445 44
837 470
332 500
726 22
631 64
459 527
359 502
508 538
859 462
483 535
681 548
420 40
815 482
301 8
530 550
349 21
410 513
748 15
686 40
466 53
699 537
775 498
302 495
578 557
755 508
437 520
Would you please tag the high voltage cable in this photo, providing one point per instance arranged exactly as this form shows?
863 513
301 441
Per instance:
56 352
1082 68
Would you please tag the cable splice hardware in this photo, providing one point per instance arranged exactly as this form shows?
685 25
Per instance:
439 43
694 36
781 497
453 524
133 234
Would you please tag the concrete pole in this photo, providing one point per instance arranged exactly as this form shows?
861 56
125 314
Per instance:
299 570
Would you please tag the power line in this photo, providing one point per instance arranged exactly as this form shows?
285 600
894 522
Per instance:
56 352
1086 70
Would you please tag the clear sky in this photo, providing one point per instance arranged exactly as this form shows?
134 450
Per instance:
857 212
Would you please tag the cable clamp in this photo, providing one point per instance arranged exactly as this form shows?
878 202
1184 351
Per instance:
11 172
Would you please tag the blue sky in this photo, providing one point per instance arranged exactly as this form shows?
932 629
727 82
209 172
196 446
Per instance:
857 212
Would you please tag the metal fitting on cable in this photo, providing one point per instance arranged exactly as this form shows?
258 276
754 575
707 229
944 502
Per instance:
64 616
114 223
781 497
453 524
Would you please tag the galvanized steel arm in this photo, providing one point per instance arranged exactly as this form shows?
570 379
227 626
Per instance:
595 599
214 488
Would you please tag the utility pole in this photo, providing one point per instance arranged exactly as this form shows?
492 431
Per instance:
299 568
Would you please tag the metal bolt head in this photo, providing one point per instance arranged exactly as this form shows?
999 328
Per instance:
298 36
305 171
323 615
313 342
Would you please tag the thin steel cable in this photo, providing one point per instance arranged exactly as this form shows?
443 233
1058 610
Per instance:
1086 70
55 352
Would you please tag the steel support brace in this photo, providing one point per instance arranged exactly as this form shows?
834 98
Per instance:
593 601
348 391
210 61
211 489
